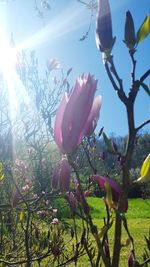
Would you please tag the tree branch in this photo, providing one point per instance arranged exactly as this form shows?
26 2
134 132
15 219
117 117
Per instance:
142 125
120 92
111 77
113 70
146 261
133 67
145 75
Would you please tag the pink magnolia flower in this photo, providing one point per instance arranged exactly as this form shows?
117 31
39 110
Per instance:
61 175
116 189
77 114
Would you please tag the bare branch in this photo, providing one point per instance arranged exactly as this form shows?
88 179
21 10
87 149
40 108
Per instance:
145 75
120 92
133 67
142 125
146 261
111 77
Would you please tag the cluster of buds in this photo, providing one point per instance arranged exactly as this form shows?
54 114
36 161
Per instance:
26 188
23 191
104 37
78 197
21 168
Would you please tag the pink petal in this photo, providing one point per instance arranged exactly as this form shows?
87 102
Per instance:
77 111
58 122
61 176
115 188
65 172
93 116
55 176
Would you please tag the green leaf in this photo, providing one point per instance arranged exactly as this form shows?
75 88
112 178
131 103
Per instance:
145 170
1 172
21 216
108 143
146 88
144 30
108 198
145 166
103 231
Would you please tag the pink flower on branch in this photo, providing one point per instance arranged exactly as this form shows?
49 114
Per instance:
116 189
77 114
61 176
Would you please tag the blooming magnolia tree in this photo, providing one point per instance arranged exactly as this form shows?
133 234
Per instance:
31 231
76 119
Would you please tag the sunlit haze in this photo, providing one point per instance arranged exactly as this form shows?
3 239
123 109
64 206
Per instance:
58 35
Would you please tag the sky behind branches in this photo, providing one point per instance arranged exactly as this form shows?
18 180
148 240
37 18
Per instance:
57 36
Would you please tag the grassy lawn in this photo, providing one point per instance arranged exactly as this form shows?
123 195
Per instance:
138 208
138 222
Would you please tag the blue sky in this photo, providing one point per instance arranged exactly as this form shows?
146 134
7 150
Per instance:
58 37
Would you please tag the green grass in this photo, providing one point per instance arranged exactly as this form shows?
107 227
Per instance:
138 208
138 216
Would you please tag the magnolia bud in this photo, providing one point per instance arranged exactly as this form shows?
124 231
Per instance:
129 37
104 38
102 155
114 146
131 259
72 201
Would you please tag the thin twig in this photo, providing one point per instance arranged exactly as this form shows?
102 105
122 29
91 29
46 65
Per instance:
114 71
145 75
133 67
146 261
111 77
142 125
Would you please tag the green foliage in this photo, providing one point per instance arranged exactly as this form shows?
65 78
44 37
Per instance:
1 172
141 150
108 143
144 29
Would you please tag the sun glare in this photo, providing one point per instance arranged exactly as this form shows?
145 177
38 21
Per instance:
15 88
69 20
7 55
